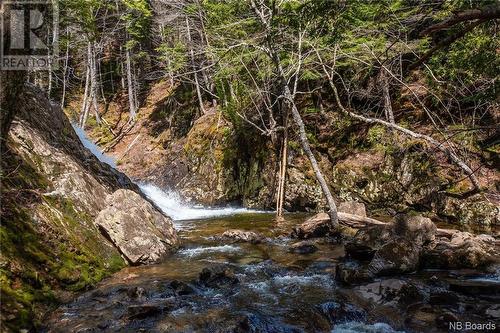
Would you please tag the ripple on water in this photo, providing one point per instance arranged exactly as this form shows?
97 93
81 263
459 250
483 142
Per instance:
357 327
316 280
194 252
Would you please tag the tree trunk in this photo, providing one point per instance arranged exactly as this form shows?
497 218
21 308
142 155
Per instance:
389 115
65 71
130 84
282 176
85 102
191 52
289 98
94 83
307 149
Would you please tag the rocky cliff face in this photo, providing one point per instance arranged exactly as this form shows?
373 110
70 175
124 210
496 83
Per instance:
212 162
59 207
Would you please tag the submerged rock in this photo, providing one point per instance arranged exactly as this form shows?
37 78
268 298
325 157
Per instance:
143 311
236 236
304 247
217 277
136 227
252 323
182 288
337 312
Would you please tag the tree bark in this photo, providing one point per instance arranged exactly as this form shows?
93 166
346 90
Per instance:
65 72
307 149
193 65
387 99
282 173
94 83
85 102
485 13
130 85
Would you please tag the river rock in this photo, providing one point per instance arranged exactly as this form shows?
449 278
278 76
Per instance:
182 288
218 276
414 228
367 241
252 323
337 312
236 236
395 257
351 272
143 311
391 292
304 247
353 207
136 227
316 226
462 250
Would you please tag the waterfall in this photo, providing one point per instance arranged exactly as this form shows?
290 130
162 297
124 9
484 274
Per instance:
168 201
172 205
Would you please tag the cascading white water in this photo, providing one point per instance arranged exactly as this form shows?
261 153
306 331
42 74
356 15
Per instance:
169 202
172 205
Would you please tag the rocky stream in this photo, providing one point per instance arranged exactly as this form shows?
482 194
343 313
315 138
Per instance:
242 271
258 279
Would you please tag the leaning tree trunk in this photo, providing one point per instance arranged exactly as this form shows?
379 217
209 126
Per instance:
289 97
307 149
453 157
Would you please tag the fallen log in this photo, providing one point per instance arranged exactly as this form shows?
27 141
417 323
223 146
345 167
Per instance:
319 225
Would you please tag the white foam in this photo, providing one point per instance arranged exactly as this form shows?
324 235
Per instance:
94 149
357 327
302 279
172 205
209 249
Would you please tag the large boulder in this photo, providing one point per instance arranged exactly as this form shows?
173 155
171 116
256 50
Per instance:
388 249
141 233
367 241
414 228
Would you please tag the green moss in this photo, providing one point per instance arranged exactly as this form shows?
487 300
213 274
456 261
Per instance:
46 244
